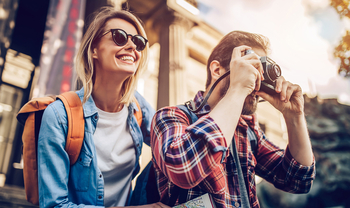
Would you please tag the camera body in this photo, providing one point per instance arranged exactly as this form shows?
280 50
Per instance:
271 73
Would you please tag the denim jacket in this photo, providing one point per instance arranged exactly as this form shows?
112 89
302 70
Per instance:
79 185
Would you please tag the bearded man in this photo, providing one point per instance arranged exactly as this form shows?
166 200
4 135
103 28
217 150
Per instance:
197 157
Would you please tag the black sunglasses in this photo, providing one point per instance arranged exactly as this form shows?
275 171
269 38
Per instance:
120 37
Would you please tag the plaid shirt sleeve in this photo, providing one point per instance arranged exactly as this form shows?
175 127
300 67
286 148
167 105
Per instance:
186 153
280 168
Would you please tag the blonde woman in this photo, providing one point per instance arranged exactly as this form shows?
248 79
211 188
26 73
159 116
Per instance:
110 59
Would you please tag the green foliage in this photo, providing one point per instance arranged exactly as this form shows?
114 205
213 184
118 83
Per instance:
342 51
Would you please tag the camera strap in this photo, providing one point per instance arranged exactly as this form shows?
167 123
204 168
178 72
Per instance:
190 104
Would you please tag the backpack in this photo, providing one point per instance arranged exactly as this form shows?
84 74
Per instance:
146 189
30 116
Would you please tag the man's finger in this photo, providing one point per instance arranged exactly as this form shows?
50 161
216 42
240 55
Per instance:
258 82
292 88
279 83
162 205
237 52
257 64
283 94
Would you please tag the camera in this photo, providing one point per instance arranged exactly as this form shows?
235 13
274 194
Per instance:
271 72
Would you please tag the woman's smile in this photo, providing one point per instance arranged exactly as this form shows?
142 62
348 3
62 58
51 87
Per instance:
126 58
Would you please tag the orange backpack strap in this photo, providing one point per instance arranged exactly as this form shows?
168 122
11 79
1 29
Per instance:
34 105
138 114
75 117
29 115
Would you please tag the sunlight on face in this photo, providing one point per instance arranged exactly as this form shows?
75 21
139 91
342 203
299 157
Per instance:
113 61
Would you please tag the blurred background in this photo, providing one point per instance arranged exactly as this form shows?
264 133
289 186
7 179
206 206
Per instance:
310 40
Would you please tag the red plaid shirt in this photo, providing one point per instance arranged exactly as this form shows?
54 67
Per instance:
196 157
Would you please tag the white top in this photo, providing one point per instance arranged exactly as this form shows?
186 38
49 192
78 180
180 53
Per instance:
115 155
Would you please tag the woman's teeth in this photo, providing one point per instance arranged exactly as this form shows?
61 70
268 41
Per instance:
127 58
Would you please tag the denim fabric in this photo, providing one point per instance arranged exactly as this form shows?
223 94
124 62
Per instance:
79 185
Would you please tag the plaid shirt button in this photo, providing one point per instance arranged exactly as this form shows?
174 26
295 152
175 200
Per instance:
236 204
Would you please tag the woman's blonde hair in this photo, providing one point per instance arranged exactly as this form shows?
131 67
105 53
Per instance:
84 65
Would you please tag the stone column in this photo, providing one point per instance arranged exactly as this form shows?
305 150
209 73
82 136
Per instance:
172 64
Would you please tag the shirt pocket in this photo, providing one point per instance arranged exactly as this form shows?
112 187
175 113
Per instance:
81 172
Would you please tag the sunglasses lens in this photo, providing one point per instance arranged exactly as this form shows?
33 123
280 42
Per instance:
120 37
140 42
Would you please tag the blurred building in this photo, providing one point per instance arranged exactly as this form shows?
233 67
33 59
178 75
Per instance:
37 45
36 59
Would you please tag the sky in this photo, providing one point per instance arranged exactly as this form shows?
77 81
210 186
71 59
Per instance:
302 34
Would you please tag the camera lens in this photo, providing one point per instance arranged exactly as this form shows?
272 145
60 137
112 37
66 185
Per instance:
273 71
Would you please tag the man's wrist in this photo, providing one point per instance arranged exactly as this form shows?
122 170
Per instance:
237 92
295 118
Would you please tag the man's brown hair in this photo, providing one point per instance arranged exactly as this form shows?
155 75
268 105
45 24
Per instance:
223 51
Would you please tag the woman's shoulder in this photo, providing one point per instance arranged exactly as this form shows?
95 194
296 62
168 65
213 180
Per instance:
56 110
58 106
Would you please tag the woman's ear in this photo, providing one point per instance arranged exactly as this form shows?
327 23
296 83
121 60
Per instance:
94 54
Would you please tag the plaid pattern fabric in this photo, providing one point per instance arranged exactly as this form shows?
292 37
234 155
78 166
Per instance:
196 157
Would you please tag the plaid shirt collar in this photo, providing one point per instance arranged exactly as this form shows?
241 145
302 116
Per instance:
198 99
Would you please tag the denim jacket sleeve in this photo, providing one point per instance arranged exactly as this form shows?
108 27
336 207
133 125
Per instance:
147 116
53 160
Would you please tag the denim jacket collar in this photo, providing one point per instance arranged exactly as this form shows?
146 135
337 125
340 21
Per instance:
90 108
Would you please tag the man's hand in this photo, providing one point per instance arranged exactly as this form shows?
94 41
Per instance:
289 101
155 205
245 77
246 71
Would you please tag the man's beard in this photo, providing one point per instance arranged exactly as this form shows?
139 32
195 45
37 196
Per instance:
250 103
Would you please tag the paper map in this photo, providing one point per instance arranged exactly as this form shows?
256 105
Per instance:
203 201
